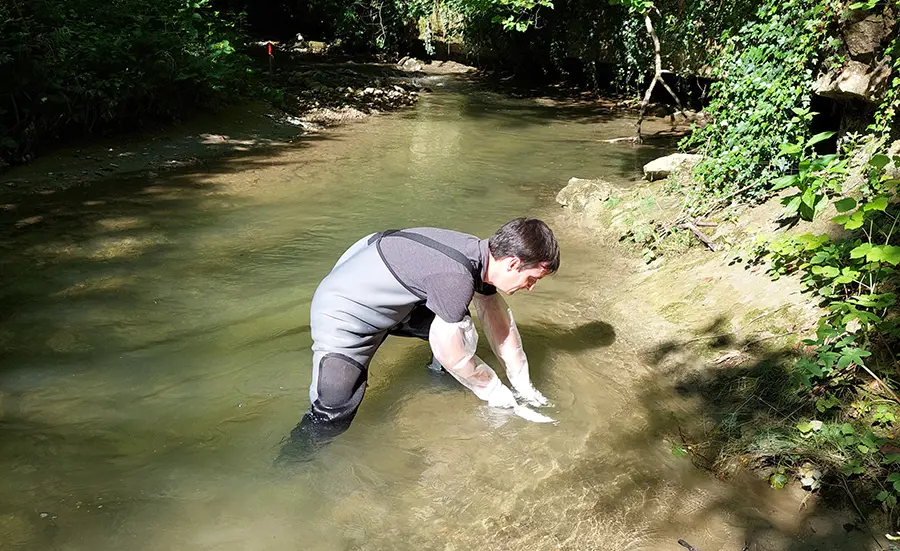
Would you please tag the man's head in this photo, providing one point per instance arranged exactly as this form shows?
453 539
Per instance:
522 252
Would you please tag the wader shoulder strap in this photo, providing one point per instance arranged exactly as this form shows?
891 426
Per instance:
449 252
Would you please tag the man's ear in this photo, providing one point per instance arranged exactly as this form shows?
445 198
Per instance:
514 263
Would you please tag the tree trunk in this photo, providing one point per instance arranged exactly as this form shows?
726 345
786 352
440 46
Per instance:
657 77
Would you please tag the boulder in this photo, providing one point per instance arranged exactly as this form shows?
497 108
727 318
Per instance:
865 35
579 193
410 64
854 81
662 167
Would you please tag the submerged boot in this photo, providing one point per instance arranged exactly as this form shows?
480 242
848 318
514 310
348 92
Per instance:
307 437
435 366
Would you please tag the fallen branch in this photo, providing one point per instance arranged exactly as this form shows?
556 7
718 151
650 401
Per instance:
617 140
687 546
699 234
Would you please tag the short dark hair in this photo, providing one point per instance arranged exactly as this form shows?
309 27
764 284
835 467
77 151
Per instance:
528 239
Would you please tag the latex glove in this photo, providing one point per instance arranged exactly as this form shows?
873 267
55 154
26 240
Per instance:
503 336
501 397
532 396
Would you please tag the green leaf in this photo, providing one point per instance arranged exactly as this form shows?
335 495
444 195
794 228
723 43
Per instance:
778 480
847 428
804 427
879 161
845 204
792 149
856 221
827 271
861 250
880 203
678 451
809 197
784 181
811 241
882 495
819 138
810 366
793 205
889 254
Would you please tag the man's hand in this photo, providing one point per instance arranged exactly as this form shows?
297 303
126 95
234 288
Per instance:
531 395
502 397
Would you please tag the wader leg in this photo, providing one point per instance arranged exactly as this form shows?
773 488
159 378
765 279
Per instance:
339 384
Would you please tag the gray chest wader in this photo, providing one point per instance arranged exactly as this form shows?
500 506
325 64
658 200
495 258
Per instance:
354 309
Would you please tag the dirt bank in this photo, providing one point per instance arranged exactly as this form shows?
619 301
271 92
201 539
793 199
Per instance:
721 334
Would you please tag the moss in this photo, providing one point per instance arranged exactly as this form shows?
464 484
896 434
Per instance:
675 311
699 293
752 315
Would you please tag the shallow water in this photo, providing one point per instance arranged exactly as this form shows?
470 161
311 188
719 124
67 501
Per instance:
155 352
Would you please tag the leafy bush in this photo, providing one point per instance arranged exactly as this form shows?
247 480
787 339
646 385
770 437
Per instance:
77 67
762 98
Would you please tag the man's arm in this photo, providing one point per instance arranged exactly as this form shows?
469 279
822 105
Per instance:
454 344
503 336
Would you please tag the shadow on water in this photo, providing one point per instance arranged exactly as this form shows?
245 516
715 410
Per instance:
90 245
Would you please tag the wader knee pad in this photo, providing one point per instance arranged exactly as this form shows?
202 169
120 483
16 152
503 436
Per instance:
339 389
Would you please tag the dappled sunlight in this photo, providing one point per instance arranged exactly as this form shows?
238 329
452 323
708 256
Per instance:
121 223
28 221
96 285
108 248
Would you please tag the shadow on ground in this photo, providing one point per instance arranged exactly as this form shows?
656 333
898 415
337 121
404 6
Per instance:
731 412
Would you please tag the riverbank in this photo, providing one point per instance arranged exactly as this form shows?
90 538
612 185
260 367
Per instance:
300 99
727 336
305 96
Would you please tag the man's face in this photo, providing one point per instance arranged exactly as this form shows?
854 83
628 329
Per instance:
514 277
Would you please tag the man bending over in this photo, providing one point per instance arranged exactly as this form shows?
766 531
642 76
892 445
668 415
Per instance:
419 282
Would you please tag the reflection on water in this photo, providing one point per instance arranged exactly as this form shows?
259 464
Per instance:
155 351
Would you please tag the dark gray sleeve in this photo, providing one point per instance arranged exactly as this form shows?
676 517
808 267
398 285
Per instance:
449 295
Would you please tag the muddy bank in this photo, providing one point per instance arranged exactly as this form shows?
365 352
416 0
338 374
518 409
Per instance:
721 335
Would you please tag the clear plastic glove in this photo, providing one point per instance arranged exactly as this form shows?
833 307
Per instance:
453 345
503 336
501 397
532 396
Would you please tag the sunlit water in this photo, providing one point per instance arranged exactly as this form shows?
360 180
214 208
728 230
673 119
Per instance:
155 352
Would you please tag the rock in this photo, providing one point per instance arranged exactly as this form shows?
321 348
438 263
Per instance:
579 193
892 170
410 64
662 167
864 37
855 81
